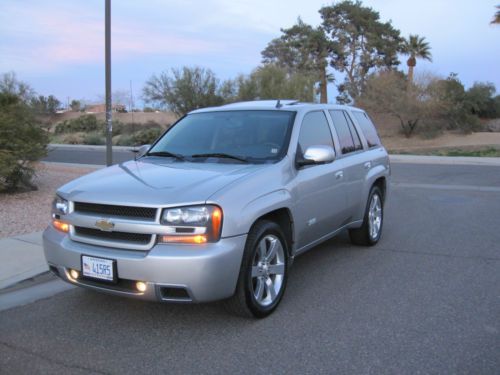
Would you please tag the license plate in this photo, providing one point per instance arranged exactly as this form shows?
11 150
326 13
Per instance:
98 268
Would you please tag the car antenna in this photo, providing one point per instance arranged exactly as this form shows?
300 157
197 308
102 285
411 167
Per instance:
131 109
278 104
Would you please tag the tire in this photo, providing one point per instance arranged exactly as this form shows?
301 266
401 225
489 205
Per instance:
366 235
263 273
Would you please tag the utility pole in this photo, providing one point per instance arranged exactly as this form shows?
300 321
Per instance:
109 124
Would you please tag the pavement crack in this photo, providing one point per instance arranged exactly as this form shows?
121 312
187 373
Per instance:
26 241
52 360
438 254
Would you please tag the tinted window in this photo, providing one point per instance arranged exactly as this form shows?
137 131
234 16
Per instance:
343 131
368 129
254 135
355 136
315 131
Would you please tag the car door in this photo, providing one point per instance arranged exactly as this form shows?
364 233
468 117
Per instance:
320 190
353 159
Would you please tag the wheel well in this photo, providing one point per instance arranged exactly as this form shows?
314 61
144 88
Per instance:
283 218
381 184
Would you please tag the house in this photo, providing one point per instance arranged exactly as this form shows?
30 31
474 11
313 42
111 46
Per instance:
100 108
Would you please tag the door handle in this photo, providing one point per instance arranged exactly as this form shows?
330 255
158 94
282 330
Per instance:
339 175
368 165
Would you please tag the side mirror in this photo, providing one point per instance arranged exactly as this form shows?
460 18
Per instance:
317 155
141 151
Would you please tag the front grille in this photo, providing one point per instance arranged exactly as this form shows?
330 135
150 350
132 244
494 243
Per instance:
143 213
135 238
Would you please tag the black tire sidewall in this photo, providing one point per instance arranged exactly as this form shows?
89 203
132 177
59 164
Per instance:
263 229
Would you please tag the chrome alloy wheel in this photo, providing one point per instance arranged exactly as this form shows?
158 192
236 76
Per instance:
268 270
375 216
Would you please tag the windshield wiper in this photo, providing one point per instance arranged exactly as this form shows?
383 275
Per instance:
166 154
220 155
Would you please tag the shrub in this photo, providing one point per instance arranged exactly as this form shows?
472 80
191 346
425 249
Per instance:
85 123
147 136
22 142
132 127
73 139
94 139
426 107
125 140
387 92
455 107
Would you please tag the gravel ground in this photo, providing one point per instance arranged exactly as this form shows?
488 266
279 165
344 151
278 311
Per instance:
29 212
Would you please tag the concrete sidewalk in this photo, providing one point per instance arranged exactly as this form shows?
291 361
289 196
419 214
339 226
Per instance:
21 257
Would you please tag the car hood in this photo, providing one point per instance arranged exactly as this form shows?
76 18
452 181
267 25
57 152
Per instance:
155 182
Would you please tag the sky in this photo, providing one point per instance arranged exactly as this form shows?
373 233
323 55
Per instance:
57 46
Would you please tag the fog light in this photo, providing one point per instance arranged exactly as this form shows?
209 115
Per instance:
74 274
141 287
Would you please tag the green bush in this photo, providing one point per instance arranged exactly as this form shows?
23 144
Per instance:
125 140
85 123
73 139
22 142
147 136
133 127
94 139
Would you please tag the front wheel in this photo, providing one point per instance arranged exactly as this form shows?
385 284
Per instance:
263 273
371 230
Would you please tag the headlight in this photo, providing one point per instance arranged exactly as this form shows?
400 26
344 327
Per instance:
60 206
192 224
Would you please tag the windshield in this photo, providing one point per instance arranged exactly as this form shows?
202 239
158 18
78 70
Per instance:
232 136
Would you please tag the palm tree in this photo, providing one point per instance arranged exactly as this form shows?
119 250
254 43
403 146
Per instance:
417 48
496 17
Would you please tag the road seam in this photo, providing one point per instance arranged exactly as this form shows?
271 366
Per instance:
438 254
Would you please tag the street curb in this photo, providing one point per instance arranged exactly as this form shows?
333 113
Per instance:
444 160
53 146
73 165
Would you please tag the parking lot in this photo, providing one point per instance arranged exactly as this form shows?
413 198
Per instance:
426 299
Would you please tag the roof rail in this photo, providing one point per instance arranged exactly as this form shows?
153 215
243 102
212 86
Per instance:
270 103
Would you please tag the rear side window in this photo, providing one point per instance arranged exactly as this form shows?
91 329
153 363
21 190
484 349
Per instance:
315 131
348 137
367 128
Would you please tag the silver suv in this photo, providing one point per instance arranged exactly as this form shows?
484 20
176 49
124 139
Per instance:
220 205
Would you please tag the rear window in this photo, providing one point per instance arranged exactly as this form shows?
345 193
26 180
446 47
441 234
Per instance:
348 137
367 128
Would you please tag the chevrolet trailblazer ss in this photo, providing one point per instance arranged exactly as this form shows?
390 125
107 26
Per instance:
219 206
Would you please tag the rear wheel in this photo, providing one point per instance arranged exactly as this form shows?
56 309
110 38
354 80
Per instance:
263 273
371 230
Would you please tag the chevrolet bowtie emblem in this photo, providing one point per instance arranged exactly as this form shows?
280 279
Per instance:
105 225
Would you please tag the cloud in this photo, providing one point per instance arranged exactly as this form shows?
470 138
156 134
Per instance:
52 38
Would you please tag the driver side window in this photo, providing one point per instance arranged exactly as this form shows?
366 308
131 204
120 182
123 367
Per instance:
314 131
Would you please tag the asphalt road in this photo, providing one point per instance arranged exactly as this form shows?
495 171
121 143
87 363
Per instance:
82 155
425 300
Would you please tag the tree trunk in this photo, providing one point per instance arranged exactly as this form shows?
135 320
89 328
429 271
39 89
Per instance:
323 98
412 62
410 75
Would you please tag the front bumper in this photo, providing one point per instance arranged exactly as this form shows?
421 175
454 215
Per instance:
205 272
